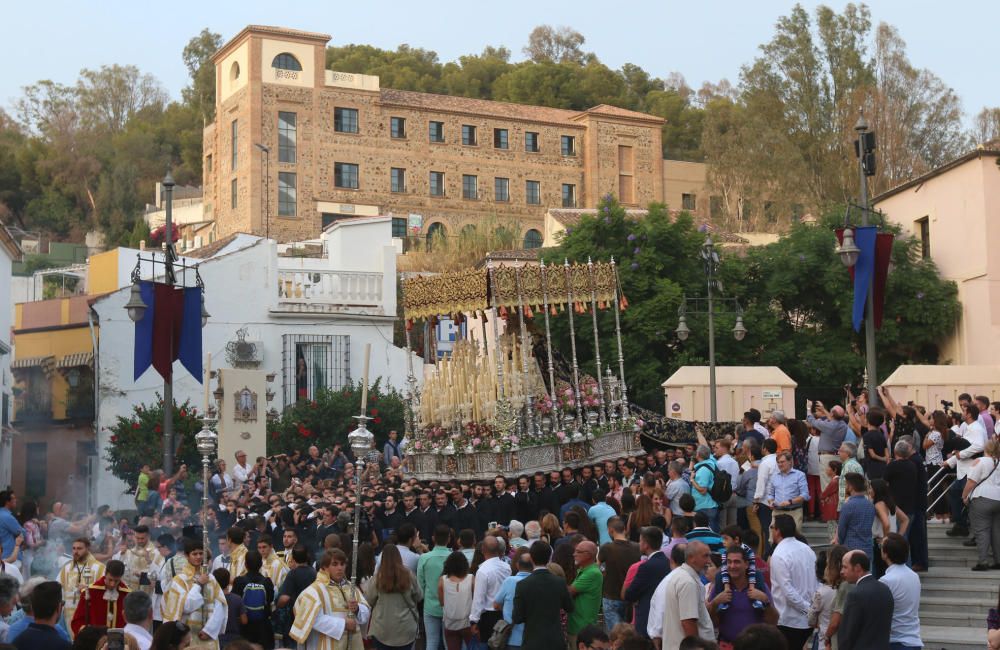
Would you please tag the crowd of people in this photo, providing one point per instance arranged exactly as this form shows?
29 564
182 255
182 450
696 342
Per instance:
697 546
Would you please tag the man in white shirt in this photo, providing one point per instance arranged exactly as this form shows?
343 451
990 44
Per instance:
905 587
139 618
765 469
793 581
489 578
982 494
677 609
728 464
963 460
241 471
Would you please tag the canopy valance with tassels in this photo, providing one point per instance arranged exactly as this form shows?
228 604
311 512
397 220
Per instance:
532 286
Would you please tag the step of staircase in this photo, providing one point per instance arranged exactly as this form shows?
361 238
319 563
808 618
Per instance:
954 601
950 604
953 638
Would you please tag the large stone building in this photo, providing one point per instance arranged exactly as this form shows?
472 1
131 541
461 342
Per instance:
324 145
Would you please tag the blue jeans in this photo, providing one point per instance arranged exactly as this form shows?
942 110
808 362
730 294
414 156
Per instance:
614 612
713 517
959 514
433 626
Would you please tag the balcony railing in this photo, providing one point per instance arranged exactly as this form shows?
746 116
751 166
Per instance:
325 289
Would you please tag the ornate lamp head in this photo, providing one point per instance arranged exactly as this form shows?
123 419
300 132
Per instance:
206 441
361 439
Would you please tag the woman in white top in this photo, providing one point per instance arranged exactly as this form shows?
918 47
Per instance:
933 445
982 494
455 595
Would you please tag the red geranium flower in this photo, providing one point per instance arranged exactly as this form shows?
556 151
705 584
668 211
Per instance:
114 438
158 429
135 425
374 412
377 420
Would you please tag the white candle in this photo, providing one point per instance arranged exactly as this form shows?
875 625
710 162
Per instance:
364 387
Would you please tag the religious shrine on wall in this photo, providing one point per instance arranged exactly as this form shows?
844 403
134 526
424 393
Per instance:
501 405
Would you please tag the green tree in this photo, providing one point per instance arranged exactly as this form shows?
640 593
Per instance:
200 95
137 440
327 419
655 261
796 297
474 75
547 44
406 68
109 97
684 125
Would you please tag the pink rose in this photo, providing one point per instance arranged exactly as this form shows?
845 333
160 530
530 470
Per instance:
418 445
560 434
476 442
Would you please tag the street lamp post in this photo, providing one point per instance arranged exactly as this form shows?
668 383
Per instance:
864 148
136 309
264 149
710 258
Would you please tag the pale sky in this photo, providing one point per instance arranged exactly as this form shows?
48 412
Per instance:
705 40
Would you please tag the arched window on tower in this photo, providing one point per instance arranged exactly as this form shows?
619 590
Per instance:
286 61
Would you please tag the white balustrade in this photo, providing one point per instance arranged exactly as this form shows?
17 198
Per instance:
329 288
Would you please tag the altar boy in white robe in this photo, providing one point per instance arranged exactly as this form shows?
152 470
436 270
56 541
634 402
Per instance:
332 612
194 598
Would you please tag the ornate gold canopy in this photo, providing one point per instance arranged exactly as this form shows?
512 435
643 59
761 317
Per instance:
461 291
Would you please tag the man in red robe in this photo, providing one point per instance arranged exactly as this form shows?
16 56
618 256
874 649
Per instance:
103 604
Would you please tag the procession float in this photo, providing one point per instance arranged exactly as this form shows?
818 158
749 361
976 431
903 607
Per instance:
499 403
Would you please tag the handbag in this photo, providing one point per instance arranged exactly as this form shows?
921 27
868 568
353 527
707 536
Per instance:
501 635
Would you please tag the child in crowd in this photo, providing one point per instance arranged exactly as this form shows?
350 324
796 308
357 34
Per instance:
822 600
732 536
830 500
237 614
679 528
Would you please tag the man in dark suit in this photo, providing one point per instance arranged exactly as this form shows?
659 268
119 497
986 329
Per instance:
537 601
647 577
868 610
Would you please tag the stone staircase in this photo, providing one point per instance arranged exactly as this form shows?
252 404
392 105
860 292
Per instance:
954 600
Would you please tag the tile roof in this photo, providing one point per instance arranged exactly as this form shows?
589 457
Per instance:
608 109
211 249
431 102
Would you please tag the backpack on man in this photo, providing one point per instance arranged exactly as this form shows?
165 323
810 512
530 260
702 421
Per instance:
722 483
255 601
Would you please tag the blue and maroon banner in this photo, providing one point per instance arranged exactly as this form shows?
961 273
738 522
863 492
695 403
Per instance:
169 330
871 269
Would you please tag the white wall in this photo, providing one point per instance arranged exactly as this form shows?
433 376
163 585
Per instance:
241 290
6 380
